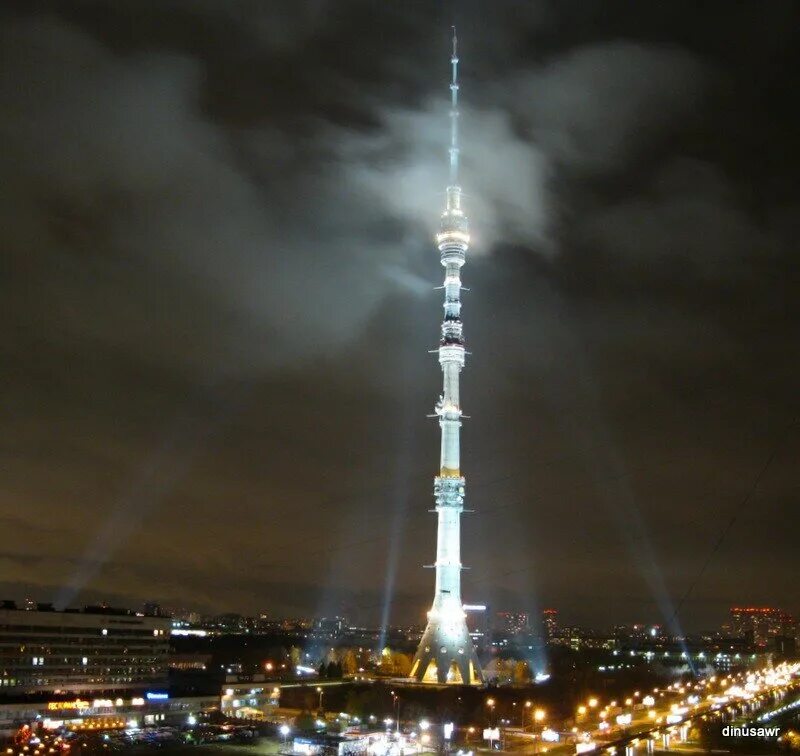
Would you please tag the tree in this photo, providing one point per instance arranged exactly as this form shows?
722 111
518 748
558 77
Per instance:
304 722
522 672
349 662
505 670
414 711
402 664
333 670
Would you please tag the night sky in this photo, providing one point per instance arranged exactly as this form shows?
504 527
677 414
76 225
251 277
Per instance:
217 300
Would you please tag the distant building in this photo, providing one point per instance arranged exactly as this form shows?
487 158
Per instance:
785 645
331 626
477 623
550 623
760 625
579 638
187 618
513 622
232 624
295 625
637 632
152 609
99 649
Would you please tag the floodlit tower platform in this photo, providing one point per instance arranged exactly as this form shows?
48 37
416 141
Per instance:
445 653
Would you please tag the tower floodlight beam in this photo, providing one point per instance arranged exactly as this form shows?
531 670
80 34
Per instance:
446 653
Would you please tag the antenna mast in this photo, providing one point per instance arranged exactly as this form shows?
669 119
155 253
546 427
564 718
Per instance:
454 114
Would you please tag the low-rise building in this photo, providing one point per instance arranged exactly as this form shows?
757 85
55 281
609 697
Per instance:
249 697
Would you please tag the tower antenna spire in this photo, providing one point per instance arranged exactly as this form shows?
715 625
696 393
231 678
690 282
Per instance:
454 113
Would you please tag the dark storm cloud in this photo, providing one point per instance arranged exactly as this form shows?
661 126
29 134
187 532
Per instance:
113 152
597 108
241 195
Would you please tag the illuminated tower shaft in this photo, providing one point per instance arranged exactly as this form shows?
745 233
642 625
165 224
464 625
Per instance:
446 653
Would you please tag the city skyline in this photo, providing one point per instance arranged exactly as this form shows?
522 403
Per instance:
219 304
757 625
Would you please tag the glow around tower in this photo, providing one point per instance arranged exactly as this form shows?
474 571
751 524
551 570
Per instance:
446 653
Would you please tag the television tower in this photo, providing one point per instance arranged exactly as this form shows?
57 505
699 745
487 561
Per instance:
446 653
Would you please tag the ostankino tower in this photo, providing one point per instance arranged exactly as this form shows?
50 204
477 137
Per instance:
446 653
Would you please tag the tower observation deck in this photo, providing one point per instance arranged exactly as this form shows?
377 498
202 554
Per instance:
446 653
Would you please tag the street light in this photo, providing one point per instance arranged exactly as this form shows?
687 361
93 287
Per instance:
396 707
284 730
321 693
538 716
592 703
490 704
